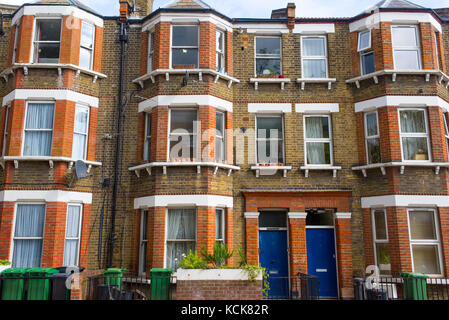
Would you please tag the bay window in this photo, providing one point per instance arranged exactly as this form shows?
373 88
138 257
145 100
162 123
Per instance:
270 139
380 237
147 143
414 135
181 235
220 225
314 57
38 129
372 138
268 56
185 44
87 45
143 242
72 235
80 133
47 40
425 241
366 53
318 140
220 154
150 52
28 235
406 48
183 134
220 57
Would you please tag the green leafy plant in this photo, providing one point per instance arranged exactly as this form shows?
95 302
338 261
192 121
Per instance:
193 261
4 263
242 256
219 257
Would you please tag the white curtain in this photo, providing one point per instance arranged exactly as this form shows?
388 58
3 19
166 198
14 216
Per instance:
38 129
72 236
80 133
181 226
314 68
413 121
29 224
317 152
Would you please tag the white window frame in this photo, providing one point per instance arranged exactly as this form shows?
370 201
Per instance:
222 238
82 133
36 42
179 240
13 237
375 240
446 131
415 135
416 48
184 47
150 61
322 140
359 49
25 129
362 54
6 129
279 139
367 137
80 224
437 53
194 135
268 56
222 138
436 242
304 57
147 138
221 55
92 50
142 241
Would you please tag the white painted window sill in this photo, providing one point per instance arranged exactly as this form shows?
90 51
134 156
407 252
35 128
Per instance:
257 81
303 81
375 76
436 165
273 168
167 72
309 168
50 160
25 66
164 165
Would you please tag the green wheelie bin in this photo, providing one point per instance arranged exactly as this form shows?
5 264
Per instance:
113 277
415 286
39 289
160 283
13 283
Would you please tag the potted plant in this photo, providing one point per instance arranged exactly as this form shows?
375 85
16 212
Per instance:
420 155
4 264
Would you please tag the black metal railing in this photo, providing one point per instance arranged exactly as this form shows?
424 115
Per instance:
398 288
300 287
129 287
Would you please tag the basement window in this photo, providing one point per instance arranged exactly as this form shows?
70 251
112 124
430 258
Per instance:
47 41
185 44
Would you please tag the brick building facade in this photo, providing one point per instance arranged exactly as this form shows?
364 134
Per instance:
354 174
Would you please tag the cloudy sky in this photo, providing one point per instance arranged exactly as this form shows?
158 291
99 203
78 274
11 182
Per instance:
262 8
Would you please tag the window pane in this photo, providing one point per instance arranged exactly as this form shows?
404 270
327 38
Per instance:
81 117
270 151
185 57
318 153
373 146
181 224
30 220
39 116
265 125
422 225
317 127
73 221
368 63
70 253
273 219
79 146
406 60
37 143
220 41
47 53
269 46
268 66
380 225
364 40
87 35
426 259
371 124
220 124
144 235
404 37
413 121
185 36
182 119
314 68
182 147
383 258
175 250
415 149
219 149
48 30
85 58
27 254
219 227
313 47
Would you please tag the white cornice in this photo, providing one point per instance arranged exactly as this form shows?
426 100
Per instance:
314 28
198 200
317 107
251 215
184 17
405 201
45 195
185 100
401 101
297 215
44 94
343 215
269 107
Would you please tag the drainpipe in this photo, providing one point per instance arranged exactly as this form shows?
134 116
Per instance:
123 23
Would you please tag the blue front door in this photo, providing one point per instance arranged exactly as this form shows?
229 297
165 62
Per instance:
321 260
273 257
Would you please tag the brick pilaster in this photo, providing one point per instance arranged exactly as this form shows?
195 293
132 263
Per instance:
344 253
298 244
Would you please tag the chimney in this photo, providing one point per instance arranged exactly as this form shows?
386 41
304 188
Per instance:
142 8
288 13
125 9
